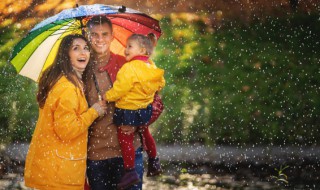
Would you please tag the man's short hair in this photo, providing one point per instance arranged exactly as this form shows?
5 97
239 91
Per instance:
98 20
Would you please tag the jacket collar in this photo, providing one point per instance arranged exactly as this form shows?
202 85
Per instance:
141 58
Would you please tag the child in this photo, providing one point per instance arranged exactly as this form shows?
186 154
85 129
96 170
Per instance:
136 84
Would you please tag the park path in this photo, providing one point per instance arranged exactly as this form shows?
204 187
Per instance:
203 163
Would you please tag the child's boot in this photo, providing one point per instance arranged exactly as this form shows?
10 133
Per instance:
129 178
154 167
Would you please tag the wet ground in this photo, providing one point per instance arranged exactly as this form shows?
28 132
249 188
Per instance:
165 182
186 182
219 168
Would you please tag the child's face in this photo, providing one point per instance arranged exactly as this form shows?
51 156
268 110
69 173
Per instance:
133 49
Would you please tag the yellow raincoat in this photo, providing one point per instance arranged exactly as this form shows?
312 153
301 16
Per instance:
135 85
57 155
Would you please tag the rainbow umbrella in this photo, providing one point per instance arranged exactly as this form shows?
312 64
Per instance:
35 52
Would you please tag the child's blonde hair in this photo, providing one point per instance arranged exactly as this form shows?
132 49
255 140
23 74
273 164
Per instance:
144 42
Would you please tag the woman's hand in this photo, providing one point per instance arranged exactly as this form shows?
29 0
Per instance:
100 107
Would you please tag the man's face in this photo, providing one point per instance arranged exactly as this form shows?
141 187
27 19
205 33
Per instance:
100 37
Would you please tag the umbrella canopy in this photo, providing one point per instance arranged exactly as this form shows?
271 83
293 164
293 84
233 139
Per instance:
35 52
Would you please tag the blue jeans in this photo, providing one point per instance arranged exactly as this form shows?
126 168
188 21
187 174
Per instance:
106 174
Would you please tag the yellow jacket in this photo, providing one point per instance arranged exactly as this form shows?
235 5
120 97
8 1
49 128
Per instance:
135 85
57 155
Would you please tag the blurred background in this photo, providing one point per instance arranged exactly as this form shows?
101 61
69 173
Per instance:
241 97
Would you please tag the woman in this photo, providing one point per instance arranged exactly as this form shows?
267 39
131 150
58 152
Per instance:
58 150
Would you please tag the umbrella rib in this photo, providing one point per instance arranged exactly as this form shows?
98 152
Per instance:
134 31
134 20
155 29
72 27
62 31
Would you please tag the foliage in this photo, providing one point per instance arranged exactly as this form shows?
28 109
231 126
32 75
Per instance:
226 83
281 177
240 84
17 94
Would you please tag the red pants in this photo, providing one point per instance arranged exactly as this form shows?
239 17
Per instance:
127 149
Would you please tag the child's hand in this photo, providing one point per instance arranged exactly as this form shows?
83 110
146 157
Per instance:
127 129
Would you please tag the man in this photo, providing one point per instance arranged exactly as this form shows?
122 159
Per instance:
105 164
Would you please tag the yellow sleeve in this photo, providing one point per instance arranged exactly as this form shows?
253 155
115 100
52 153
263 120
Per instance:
68 123
163 83
122 85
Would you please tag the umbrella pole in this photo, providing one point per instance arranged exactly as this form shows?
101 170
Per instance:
81 23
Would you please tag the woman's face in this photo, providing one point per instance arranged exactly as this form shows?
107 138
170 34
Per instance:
79 54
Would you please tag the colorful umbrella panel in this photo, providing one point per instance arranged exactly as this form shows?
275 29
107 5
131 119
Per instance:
34 53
